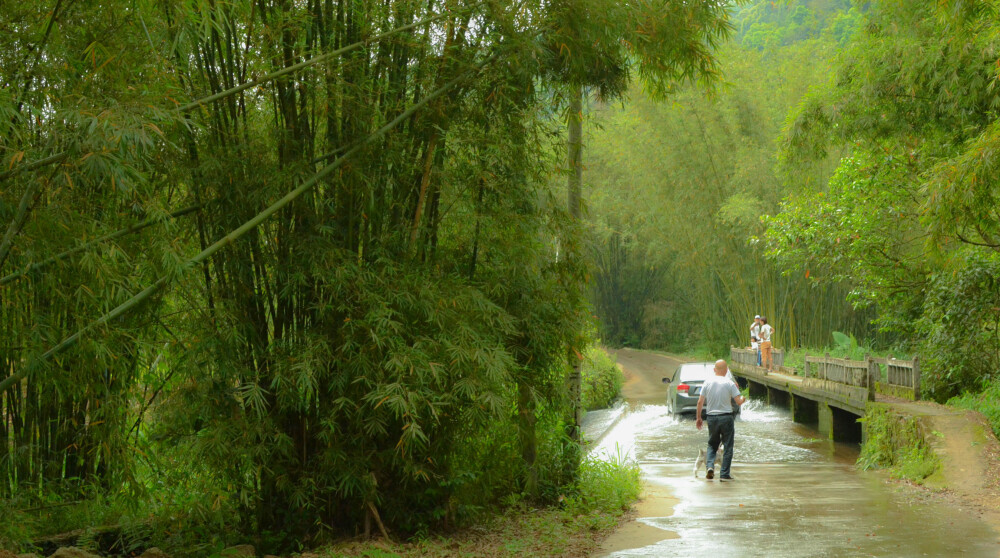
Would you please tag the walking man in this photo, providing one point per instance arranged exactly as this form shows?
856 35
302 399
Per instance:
717 397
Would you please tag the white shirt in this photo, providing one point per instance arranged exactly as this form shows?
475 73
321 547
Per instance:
765 332
719 392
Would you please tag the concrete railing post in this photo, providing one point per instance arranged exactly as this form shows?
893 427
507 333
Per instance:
915 375
872 370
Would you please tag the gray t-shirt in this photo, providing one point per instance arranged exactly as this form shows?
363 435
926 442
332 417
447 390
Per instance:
719 392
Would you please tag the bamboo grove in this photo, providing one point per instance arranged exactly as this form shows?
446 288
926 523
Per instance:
680 257
308 260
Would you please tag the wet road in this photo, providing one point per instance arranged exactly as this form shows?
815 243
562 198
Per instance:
795 495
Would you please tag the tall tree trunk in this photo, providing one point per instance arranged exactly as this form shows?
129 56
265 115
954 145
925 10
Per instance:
575 188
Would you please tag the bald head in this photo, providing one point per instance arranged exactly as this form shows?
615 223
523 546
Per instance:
721 367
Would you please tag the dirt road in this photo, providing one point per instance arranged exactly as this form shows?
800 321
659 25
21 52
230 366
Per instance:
643 374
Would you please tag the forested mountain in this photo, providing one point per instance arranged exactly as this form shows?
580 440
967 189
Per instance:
767 25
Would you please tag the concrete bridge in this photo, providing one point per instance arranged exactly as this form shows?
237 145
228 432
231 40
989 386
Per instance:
830 393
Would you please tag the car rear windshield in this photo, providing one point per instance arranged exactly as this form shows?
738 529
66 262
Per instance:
696 372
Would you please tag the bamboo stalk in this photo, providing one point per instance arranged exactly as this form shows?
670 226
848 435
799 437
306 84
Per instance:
424 182
316 60
58 157
27 200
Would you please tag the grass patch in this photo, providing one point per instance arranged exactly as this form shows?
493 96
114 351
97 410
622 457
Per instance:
604 491
986 402
896 443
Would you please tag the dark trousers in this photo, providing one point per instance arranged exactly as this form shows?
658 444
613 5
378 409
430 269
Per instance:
721 429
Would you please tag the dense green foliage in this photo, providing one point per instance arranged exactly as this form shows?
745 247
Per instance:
767 25
594 503
290 270
287 270
907 218
602 378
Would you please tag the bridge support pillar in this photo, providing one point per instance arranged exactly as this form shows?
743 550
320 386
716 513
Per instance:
838 425
824 419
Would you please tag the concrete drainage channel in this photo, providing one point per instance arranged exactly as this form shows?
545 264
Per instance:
597 424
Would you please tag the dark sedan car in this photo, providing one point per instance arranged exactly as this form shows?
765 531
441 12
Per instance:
684 386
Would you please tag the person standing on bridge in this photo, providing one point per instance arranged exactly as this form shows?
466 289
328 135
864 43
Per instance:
755 337
717 396
766 331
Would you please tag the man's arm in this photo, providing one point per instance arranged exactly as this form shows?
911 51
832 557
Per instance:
701 403
738 398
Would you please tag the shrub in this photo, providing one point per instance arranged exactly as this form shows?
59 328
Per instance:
959 327
602 379
897 443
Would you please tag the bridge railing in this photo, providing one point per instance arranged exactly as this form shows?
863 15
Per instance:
902 378
841 370
749 356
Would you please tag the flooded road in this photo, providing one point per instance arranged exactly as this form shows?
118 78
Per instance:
794 494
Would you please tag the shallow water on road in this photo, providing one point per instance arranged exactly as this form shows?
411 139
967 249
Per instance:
795 495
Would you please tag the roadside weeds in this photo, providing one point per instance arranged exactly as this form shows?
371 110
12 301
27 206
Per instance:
518 531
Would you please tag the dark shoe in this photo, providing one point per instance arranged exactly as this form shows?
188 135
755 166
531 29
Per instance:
725 479
710 474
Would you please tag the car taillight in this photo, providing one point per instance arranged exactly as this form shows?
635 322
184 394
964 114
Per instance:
683 387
